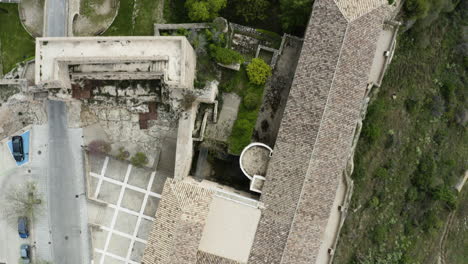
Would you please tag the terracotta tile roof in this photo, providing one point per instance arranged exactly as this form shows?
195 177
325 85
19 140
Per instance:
353 9
207 258
179 224
316 133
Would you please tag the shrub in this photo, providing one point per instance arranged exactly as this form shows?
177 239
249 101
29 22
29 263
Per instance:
431 222
258 71
252 9
240 135
252 101
447 195
123 154
374 202
381 173
380 234
416 8
371 132
182 32
203 10
139 159
225 56
423 178
99 147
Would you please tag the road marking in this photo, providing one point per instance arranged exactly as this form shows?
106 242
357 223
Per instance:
128 211
142 209
104 168
113 256
114 217
131 187
105 228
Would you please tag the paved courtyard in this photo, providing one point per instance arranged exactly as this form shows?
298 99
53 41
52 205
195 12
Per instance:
123 203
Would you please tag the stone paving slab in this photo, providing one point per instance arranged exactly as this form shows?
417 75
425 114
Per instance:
137 251
118 245
139 177
109 192
96 163
132 200
145 228
151 206
126 222
116 170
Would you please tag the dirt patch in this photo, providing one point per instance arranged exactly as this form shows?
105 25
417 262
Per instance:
276 93
32 16
94 17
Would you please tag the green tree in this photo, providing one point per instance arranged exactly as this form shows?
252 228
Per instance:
416 8
295 13
258 71
252 9
203 10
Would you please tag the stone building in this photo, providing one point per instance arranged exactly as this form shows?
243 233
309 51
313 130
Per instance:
303 195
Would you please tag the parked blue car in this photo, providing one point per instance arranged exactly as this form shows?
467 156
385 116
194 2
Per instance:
23 227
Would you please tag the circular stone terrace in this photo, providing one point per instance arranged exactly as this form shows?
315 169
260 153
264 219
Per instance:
254 159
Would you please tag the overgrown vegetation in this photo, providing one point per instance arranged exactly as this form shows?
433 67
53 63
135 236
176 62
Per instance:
136 18
225 56
258 71
412 148
15 43
251 95
204 10
139 159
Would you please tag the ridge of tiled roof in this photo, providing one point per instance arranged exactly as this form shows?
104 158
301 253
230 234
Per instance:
353 9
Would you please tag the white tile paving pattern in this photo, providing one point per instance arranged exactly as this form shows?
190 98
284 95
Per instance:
120 244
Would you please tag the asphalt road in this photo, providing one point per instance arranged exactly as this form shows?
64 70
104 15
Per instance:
56 18
66 219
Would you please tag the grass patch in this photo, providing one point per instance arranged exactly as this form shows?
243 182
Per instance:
122 25
146 12
16 43
411 152
147 16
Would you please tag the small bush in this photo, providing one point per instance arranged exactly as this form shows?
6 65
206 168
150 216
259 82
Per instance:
240 135
374 202
381 173
431 222
203 10
416 8
423 178
182 32
225 56
447 195
371 132
380 234
258 71
123 154
139 159
99 147
252 101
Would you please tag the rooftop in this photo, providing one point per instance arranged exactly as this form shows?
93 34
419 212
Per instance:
96 55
